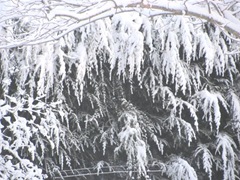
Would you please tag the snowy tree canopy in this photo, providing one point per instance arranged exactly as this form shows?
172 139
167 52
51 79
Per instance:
151 86
51 20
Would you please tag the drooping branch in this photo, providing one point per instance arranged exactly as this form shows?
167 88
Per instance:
68 16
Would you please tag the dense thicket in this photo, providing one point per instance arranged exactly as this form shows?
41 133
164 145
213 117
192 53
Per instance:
127 90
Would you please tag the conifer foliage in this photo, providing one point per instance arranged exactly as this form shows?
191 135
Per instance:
124 90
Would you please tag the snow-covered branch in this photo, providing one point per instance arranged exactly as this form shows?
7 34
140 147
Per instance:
51 20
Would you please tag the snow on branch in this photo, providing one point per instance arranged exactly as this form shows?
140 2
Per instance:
131 141
209 103
225 146
207 158
51 20
178 169
234 103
